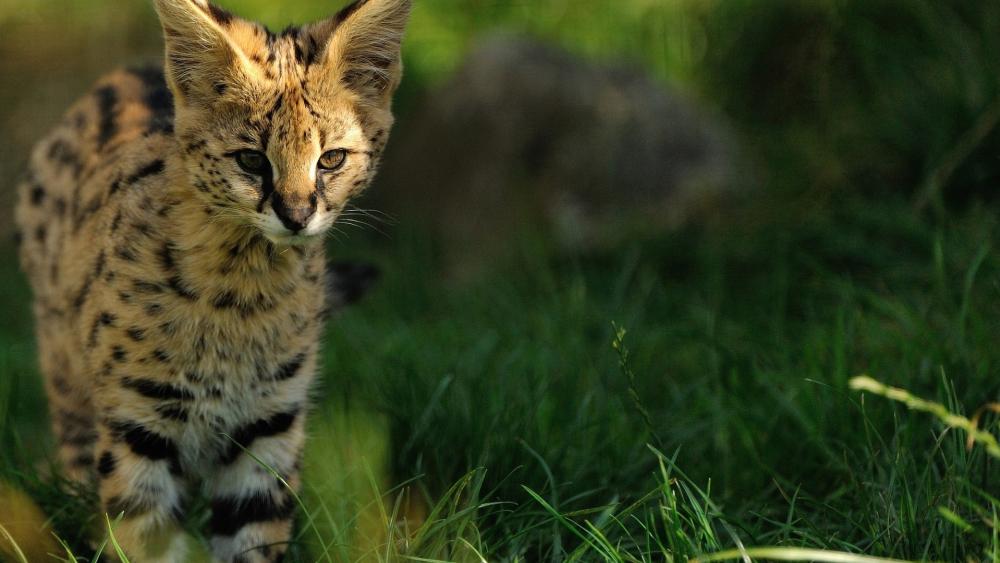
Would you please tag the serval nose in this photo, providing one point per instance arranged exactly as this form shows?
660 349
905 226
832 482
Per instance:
294 213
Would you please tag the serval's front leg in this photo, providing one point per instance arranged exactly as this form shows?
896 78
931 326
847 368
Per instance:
141 483
252 510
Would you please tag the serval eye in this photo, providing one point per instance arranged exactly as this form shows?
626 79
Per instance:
253 162
332 160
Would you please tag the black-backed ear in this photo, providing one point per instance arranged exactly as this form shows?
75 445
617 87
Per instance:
362 46
201 58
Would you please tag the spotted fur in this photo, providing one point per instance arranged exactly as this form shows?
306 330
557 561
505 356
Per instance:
179 298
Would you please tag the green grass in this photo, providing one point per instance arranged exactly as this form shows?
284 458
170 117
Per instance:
519 431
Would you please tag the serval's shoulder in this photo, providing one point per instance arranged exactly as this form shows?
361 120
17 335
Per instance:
114 137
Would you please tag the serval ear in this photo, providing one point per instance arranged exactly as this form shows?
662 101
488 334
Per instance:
202 59
362 47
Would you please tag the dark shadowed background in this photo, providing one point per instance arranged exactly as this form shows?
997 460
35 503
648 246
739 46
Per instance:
766 198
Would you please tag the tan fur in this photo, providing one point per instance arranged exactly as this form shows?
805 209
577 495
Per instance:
177 313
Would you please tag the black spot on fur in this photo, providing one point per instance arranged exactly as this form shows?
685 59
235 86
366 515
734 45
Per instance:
172 411
69 419
126 253
78 436
196 146
230 515
180 288
225 300
289 369
313 51
194 377
116 221
118 354
142 286
106 464
107 100
136 334
300 56
166 256
158 100
95 329
81 296
143 228
61 152
153 168
263 428
269 118
37 195
169 328
156 390
145 443
222 17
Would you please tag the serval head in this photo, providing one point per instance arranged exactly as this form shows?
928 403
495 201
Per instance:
279 131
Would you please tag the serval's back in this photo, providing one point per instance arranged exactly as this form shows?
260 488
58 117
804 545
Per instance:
172 229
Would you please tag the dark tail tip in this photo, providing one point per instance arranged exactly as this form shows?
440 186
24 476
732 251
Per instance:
348 282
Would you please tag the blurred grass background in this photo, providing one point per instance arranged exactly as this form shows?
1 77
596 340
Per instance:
499 405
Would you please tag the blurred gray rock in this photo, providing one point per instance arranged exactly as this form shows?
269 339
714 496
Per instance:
527 136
